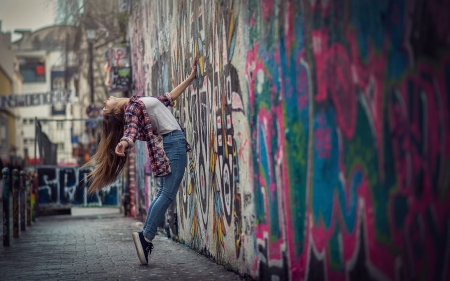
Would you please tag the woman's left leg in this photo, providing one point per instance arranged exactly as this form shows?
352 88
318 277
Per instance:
174 146
158 193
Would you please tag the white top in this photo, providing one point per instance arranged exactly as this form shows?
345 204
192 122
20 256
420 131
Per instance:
162 120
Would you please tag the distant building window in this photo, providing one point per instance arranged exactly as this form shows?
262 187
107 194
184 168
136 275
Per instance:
58 83
40 70
59 109
60 146
25 121
3 129
32 70
59 125
28 141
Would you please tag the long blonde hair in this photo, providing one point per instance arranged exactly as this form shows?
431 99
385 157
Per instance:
107 164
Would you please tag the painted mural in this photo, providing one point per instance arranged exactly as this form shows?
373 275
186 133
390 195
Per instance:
65 186
320 133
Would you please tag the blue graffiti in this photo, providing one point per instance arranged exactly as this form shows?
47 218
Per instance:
327 182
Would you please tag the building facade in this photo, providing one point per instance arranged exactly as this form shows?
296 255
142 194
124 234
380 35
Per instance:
46 63
11 150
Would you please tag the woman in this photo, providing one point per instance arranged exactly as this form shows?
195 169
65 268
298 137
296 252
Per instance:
126 120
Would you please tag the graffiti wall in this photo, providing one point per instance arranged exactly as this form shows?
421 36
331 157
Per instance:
65 186
320 132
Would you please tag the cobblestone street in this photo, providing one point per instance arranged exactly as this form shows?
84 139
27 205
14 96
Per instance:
99 248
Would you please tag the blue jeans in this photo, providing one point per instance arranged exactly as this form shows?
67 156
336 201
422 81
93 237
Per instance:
175 148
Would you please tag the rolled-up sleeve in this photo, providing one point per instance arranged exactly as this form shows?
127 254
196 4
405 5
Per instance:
166 99
131 126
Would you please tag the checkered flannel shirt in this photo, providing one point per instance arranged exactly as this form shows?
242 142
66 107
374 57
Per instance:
139 127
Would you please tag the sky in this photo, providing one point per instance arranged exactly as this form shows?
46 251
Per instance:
26 14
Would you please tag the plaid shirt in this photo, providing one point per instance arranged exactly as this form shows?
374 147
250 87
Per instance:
139 127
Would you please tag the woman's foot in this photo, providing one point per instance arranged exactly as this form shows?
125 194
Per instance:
143 248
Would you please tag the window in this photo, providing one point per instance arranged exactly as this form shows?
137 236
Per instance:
59 109
58 83
59 125
25 121
60 146
28 141
3 129
32 70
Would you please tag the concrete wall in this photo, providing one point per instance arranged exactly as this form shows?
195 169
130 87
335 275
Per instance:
61 187
7 122
320 131
6 55
6 115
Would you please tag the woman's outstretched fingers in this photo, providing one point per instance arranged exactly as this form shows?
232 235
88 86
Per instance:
194 68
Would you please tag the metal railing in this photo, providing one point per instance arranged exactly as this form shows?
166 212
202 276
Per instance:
23 188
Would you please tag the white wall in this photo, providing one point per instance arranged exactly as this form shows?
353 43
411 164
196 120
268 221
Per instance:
53 59
17 89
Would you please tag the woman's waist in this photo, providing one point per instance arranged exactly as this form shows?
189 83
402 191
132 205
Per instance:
174 133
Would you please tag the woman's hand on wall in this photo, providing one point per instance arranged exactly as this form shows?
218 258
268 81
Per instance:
193 70
191 165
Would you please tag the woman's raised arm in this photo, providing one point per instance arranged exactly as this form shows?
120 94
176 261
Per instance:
175 93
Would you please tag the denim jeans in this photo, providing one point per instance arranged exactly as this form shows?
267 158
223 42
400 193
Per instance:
175 148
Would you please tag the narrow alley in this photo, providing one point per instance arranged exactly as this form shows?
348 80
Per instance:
271 140
99 248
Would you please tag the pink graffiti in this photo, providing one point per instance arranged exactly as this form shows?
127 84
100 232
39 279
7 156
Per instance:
137 50
278 182
118 55
322 138
303 89
322 5
267 8
266 124
333 72
254 64
420 146
440 18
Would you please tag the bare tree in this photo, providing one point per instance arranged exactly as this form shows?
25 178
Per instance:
104 17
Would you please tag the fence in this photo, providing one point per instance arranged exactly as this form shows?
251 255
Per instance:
23 189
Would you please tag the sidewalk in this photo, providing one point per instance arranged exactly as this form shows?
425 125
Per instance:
99 248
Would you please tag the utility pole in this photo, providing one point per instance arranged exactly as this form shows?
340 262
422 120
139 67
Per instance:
91 70
90 36
66 65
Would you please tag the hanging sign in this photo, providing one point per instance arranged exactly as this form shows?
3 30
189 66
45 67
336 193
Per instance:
120 78
118 68
93 111
24 100
118 56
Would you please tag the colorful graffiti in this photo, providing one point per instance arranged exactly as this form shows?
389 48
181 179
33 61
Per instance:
62 187
213 122
320 133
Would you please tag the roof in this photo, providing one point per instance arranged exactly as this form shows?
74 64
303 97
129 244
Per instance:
48 38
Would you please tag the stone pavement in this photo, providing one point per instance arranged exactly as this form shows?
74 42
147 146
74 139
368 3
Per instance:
99 248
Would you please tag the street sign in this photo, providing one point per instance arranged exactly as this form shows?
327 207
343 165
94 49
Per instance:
91 124
24 100
93 111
